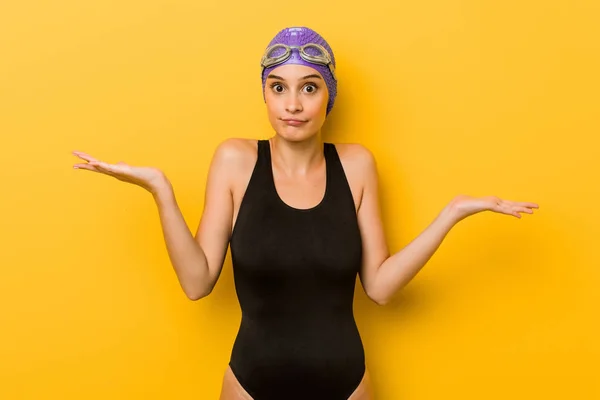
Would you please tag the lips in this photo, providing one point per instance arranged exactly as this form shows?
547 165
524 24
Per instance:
294 122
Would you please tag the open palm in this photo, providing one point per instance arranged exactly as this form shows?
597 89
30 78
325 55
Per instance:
465 206
147 177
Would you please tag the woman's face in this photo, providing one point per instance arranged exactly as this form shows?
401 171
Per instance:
296 98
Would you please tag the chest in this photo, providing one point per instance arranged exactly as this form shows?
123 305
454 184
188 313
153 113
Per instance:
273 239
296 193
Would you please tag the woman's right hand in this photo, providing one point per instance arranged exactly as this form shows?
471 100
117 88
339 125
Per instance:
149 178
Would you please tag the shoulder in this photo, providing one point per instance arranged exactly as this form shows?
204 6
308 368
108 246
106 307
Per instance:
236 154
236 150
233 162
356 158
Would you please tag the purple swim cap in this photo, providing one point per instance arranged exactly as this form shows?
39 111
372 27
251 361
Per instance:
299 36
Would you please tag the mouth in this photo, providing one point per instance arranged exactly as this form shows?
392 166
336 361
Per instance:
293 121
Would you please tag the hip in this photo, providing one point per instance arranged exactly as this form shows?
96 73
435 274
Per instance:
232 389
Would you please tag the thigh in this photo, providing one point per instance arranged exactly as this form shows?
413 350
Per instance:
364 391
231 388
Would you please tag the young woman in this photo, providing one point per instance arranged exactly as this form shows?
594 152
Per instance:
302 219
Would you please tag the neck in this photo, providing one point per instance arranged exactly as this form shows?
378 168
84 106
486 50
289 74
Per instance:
297 158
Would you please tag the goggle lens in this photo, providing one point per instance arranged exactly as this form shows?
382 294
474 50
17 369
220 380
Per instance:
310 52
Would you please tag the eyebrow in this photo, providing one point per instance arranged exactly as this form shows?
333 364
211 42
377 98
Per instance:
304 77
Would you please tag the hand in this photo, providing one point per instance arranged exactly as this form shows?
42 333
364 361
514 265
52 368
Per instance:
147 177
463 206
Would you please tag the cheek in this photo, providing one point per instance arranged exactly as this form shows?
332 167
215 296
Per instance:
270 103
319 105
324 99
273 101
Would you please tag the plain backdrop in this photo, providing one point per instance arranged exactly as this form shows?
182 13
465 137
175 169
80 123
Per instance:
452 97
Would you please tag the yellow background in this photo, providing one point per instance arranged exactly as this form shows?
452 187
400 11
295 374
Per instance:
452 97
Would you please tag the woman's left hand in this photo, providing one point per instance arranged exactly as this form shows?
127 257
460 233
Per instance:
463 206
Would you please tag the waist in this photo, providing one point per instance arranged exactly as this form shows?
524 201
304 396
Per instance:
275 340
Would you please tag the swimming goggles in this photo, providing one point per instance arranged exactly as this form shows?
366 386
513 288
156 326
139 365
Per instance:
318 55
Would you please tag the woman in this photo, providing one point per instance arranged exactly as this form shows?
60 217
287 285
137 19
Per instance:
302 219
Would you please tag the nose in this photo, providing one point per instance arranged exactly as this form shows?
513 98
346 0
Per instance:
293 104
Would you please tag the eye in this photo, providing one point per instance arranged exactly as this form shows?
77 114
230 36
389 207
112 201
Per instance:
310 88
277 87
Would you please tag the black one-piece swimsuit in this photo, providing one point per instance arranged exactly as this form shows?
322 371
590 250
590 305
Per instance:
295 272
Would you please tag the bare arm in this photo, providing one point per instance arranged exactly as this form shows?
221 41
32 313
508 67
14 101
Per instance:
197 260
383 275
399 269
186 254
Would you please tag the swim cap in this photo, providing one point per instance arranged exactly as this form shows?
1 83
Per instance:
299 36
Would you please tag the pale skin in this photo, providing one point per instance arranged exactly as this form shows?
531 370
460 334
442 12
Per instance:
298 92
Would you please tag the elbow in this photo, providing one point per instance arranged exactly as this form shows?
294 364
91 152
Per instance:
197 294
384 297
378 299
381 301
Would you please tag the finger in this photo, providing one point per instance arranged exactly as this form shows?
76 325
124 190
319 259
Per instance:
85 166
84 156
526 207
523 209
512 211
529 205
506 208
107 168
101 165
523 204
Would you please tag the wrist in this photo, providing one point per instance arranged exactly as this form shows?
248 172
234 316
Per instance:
452 213
161 187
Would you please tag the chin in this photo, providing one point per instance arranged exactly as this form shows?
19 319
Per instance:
294 134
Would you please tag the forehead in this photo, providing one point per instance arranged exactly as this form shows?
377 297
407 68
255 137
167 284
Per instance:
294 71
